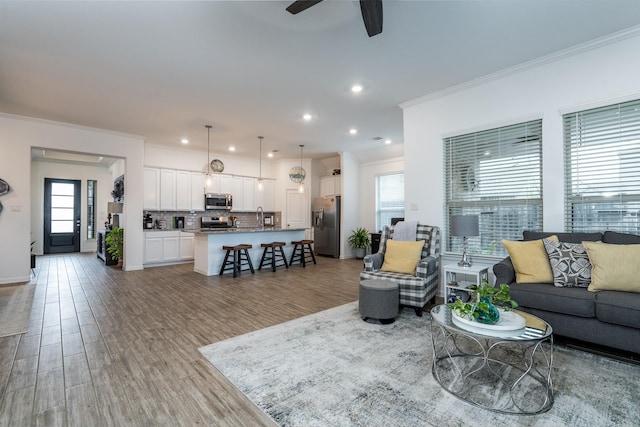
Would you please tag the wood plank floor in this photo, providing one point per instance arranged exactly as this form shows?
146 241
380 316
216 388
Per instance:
108 347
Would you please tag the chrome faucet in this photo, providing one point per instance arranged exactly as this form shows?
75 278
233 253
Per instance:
260 216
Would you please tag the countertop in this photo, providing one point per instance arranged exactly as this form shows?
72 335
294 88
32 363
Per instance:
244 230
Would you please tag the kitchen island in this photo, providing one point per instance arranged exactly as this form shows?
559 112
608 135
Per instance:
208 252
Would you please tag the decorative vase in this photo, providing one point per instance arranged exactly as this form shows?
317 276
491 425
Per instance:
489 316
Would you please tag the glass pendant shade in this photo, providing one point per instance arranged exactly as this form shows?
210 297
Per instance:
297 174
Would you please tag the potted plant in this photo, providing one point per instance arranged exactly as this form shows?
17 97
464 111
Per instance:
359 240
115 243
483 303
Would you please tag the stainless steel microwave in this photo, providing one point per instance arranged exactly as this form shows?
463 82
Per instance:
213 201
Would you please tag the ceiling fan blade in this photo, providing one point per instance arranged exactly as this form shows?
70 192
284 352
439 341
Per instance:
300 5
372 16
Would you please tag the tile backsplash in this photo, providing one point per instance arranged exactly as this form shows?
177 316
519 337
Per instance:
192 219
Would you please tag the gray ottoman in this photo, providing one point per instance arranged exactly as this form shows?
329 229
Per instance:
379 299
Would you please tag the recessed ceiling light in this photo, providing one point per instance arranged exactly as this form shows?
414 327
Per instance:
387 141
307 117
184 140
356 88
270 154
353 131
232 148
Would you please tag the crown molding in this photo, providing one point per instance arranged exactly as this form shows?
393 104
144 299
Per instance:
547 59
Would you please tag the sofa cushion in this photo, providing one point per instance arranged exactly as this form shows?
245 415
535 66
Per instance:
620 238
620 308
563 237
402 256
530 261
614 267
572 301
569 263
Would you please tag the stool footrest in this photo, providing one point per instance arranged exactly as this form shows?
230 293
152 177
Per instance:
240 257
273 257
302 252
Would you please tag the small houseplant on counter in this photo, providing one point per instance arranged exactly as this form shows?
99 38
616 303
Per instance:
115 243
484 302
359 240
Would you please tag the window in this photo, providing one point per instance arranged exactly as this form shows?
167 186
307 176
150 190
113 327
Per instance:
496 174
389 198
602 168
91 208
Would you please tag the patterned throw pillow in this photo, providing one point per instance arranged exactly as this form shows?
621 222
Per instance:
569 263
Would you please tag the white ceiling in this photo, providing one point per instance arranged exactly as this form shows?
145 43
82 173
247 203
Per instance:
163 70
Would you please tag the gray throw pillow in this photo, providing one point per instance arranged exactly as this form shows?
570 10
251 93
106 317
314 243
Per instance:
569 263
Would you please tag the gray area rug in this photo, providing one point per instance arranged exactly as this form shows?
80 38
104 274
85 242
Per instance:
333 369
15 308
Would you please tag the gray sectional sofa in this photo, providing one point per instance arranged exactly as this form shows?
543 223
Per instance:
608 318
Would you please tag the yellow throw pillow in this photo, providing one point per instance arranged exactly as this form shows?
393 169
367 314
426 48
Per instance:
530 260
614 267
402 257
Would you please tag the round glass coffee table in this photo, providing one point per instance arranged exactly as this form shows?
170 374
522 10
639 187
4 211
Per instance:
502 372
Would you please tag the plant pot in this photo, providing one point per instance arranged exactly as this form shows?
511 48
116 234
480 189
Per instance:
360 252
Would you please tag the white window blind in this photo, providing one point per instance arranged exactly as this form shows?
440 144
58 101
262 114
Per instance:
389 198
602 168
496 174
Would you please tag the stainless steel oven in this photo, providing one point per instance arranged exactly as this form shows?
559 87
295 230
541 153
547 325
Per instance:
215 201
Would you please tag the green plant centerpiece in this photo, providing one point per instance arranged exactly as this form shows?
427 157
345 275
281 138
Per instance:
484 302
115 243
359 240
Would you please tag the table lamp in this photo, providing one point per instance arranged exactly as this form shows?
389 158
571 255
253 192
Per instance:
114 208
465 226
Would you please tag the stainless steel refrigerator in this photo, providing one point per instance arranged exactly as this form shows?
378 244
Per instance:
326 225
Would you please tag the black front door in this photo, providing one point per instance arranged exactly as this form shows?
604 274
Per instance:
61 215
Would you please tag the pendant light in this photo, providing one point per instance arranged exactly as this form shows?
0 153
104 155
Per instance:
208 162
260 182
301 184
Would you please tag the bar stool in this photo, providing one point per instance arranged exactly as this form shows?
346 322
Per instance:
240 258
302 252
273 257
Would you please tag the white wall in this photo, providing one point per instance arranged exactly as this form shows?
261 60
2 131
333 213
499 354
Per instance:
194 160
350 208
45 169
603 75
367 199
17 136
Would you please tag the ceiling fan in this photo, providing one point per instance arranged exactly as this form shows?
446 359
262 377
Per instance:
371 13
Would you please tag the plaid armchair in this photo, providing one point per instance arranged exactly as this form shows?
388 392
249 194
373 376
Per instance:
417 289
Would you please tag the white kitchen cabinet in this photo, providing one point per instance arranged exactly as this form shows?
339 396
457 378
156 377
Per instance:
225 184
153 247
186 246
162 247
330 185
151 182
171 247
212 184
197 191
249 193
267 197
236 192
183 190
167 190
